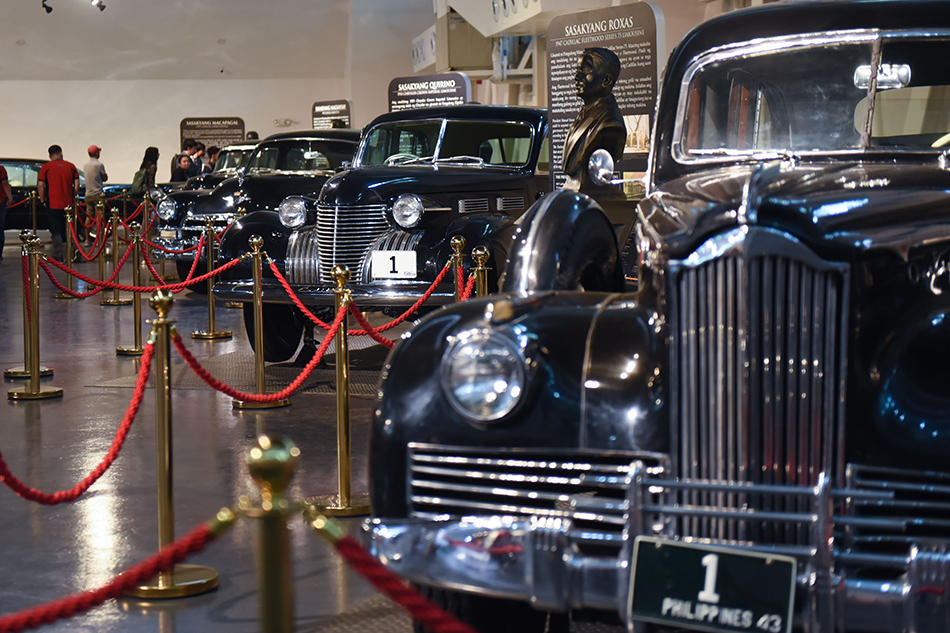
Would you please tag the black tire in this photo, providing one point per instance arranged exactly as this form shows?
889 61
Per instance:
493 615
183 266
283 330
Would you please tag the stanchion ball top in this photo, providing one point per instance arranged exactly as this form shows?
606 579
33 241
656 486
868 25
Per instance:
25 235
480 255
161 301
271 462
340 274
255 242
458 243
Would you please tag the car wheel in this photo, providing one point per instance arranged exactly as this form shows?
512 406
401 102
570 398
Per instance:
184 267
565 242
283 330
493 615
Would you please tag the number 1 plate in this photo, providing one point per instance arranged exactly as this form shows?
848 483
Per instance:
711 588
394 264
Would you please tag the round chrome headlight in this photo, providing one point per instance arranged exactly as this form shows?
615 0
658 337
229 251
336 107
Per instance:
292 212
484 375
407 210
166 209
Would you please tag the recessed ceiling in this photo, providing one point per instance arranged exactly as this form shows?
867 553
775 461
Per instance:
173 39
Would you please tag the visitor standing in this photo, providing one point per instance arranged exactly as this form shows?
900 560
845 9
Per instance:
96 176
6 196
58 186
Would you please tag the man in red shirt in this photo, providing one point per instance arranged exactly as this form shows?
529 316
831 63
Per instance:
59 179
6 196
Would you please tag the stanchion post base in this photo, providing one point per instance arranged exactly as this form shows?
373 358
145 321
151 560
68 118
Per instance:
187 580
44 393
115 302
247 404
129 351
63 295
22 372
234 304
210 336
330 505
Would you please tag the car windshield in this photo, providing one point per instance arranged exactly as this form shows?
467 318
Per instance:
232 160
21 174
299 155
812 96
500 143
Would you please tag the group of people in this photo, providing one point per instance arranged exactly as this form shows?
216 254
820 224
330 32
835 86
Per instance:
194 160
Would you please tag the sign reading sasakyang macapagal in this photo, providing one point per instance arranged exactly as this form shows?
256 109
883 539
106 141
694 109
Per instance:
636 34
429 90
219 131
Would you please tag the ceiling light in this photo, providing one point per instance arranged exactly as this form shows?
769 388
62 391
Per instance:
48 8
100 4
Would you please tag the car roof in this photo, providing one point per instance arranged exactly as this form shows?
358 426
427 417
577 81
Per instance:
24 160
326 135
466 111
238 147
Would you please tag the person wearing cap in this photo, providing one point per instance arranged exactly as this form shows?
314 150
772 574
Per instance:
95 173
58 186
599 124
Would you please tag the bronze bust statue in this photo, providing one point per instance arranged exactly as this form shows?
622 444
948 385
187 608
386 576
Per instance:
599 124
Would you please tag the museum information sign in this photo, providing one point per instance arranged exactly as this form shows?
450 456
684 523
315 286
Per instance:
425 91
222 131
330 114
635 32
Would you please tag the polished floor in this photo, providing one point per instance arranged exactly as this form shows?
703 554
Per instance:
48 552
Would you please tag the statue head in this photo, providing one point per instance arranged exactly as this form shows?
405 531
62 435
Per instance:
596 73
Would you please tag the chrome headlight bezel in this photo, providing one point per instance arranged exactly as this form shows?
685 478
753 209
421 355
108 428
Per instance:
494 385
292 212
166 208
408 210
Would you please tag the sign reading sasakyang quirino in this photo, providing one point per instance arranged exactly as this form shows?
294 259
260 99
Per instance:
218 131
635 33
429 90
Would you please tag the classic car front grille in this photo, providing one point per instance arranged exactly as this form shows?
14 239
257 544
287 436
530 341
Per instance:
758 355
473 205
194 226
392 240
590 489
515 203
344 234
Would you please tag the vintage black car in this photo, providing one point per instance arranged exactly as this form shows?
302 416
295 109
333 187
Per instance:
757 438
420 177
281 165
231 161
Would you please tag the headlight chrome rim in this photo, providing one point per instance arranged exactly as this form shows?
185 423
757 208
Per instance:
408 210
292 212
166 209
495 383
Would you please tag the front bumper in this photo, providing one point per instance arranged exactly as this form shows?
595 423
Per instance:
366 296
535 559
176 244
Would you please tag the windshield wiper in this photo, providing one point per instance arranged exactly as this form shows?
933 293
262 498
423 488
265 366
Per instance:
407 159
463 159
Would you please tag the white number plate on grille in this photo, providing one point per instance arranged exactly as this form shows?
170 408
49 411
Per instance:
167 234
394 265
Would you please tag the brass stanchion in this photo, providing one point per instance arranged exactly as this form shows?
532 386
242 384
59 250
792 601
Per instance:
210 333
69 255
480 255
182 580
101 258
271 462
23 371
458 244
34 391
114 226
241 212
344 503
137 349
255 242
33 209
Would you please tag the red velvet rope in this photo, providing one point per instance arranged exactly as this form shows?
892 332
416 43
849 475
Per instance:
109 284
62 496
217 385
16 204
102 285
165 559
157 277
376 336
419 607
459 279
405 315
97 246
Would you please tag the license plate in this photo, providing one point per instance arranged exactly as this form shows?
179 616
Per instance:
394 264
168 235
711 588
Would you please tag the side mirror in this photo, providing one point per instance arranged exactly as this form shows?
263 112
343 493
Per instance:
601 167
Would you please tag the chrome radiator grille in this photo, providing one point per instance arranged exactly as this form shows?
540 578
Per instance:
194 226
758 362
590 489
344 234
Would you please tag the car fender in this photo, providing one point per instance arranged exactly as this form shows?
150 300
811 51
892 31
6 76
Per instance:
234 242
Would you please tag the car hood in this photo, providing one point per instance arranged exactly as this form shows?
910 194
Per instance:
830 207
258 192
380 185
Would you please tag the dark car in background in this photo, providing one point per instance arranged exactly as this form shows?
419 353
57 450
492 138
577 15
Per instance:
756 438
231 161
290 163
420 177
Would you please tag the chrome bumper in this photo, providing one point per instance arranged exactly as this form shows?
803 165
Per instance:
366 296
531 559
175 245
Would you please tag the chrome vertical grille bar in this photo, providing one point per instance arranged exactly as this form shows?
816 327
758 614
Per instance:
344 234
